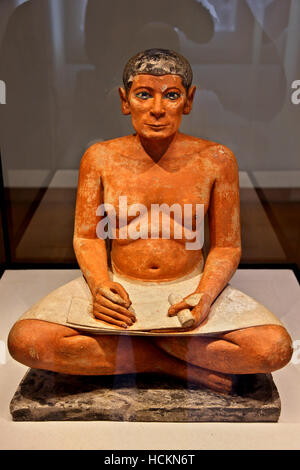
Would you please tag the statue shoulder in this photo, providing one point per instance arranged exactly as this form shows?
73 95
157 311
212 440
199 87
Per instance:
102 152
220 155
200 146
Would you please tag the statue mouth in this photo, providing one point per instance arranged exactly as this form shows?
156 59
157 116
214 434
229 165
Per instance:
157 126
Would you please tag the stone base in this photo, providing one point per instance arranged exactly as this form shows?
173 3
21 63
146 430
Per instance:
48 396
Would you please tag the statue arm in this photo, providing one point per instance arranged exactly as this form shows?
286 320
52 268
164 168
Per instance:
224 227
90 251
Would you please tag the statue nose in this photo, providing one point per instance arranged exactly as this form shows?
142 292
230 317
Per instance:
157 108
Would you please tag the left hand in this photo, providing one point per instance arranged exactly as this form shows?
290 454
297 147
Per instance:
199 312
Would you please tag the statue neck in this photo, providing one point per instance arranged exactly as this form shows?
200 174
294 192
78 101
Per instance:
157 148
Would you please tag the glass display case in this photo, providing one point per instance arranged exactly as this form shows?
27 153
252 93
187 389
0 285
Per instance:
61 65
62 62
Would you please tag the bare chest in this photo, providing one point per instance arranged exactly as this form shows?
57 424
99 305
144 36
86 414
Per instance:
187 185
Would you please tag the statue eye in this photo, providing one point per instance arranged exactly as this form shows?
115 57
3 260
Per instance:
143 95
172 95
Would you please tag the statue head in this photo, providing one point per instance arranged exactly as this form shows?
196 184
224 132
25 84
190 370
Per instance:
157 91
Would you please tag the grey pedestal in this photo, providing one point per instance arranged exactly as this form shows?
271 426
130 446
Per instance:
48 396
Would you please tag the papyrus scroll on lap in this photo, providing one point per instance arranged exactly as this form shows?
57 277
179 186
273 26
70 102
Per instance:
71 305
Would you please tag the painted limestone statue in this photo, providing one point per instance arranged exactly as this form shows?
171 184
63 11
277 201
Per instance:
230 333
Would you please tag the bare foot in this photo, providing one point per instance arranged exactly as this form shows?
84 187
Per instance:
217 381
222 383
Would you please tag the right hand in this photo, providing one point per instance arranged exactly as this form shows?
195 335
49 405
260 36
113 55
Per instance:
111 303
199 311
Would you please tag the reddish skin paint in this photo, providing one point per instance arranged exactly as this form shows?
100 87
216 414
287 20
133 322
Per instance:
159 165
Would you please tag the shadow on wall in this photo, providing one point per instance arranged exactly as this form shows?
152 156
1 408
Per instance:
129 27
42 128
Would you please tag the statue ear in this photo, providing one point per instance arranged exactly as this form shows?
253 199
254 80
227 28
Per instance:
124 101
189 100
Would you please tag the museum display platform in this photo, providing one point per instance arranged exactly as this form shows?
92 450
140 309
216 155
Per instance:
277 289
48 396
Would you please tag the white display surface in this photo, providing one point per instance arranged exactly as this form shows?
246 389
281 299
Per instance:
278 290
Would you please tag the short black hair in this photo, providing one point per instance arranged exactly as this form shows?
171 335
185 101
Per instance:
158 62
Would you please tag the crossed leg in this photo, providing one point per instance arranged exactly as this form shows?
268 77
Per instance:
210 361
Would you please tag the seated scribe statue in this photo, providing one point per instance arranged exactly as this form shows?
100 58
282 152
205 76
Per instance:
222 332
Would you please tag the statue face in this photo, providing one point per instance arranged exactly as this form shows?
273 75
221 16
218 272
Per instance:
156 104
